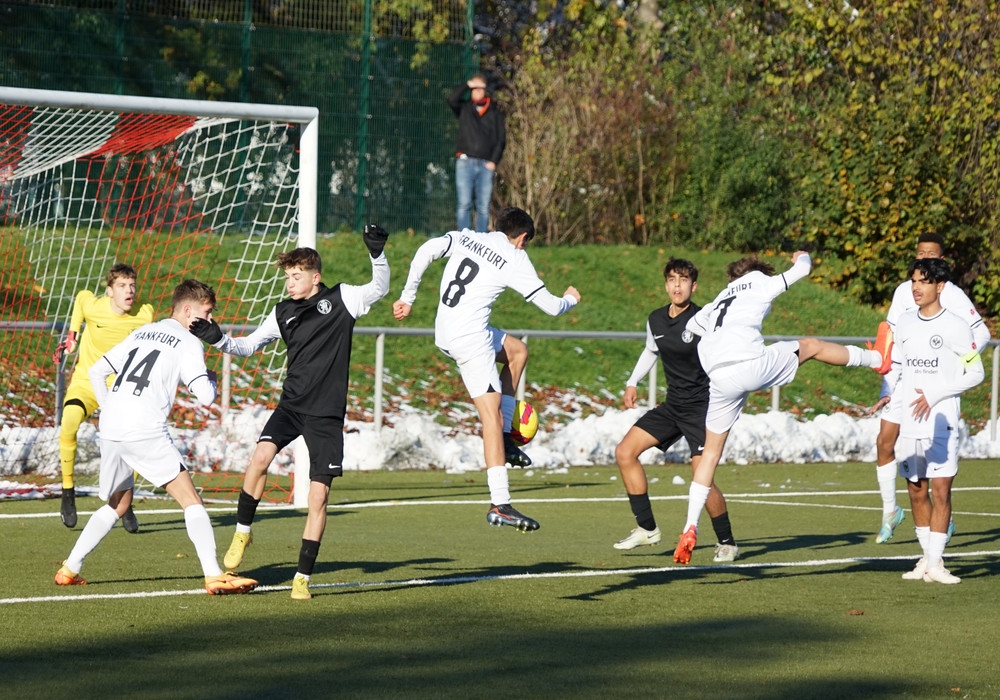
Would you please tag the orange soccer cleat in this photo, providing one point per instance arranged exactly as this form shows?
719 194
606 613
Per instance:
65 577
883 346
227 583
689 538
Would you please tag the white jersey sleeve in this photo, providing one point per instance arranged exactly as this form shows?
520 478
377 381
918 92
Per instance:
646 359
266 333
432 250
359 299
958 302
150 363
731 325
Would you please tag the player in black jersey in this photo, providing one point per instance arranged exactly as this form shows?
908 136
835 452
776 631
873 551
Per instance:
317 325
682 414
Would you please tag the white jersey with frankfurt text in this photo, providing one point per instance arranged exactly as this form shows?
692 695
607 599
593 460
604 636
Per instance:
480 266
149 364
936 357
730 327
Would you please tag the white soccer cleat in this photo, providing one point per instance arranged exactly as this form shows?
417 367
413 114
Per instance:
726 552
939 574
639 537
918 571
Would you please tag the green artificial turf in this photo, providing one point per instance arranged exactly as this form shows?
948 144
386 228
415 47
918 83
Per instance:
416 596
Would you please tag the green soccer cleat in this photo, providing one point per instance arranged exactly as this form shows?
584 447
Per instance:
889 525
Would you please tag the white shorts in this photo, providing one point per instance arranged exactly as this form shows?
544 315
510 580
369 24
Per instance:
477 360
730 384
156 460
927 458
892 412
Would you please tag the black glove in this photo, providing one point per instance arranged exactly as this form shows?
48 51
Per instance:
375 238
206 330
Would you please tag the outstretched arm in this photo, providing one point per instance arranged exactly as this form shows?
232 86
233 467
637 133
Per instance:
265 334
553 305
430 251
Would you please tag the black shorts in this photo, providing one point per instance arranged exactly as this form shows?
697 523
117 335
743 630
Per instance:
323 435
668 424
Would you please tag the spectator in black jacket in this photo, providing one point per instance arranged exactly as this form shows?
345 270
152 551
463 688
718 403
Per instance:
478 150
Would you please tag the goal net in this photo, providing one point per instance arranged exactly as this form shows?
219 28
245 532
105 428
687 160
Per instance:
177 189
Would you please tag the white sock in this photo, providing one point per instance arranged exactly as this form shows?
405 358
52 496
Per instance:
199 529
935 549
99 525
245 529
923 535
886 475
697 495
499 485
507 405
860 357
299 574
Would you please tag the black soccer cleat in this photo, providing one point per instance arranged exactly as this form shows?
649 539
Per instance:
130 522
506 515
513 454
67 511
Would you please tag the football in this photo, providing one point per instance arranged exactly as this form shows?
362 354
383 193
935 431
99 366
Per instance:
524 424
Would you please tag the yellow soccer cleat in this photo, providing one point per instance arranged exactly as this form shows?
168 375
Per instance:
234 555
300 588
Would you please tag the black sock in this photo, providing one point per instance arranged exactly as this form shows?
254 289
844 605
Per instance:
723 530
307 556
642 511
246 509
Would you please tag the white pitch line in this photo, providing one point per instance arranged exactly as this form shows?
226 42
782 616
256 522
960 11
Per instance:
742 497
452 580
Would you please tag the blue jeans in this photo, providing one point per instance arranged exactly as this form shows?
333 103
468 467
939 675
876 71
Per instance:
472 175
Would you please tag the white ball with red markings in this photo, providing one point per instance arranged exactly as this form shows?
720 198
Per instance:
524 423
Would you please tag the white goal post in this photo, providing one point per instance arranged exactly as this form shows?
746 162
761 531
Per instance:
175 188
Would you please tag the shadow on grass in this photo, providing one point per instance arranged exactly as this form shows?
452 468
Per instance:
438 649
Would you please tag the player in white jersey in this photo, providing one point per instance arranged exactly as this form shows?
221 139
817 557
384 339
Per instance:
929 245
149 364
935 358
733 354
480 266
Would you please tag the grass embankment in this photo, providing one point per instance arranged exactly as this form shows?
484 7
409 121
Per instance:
619 285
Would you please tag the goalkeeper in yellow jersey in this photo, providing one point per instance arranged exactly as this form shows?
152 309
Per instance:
108 322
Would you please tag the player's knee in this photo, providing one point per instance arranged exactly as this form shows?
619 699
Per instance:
516 351
625 454
72 418
885 445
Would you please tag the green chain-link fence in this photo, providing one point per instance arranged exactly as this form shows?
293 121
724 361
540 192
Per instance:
386 134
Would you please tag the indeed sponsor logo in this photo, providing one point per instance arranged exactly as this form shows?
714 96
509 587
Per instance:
920 362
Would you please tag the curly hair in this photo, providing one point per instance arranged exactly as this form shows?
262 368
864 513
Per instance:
738 268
